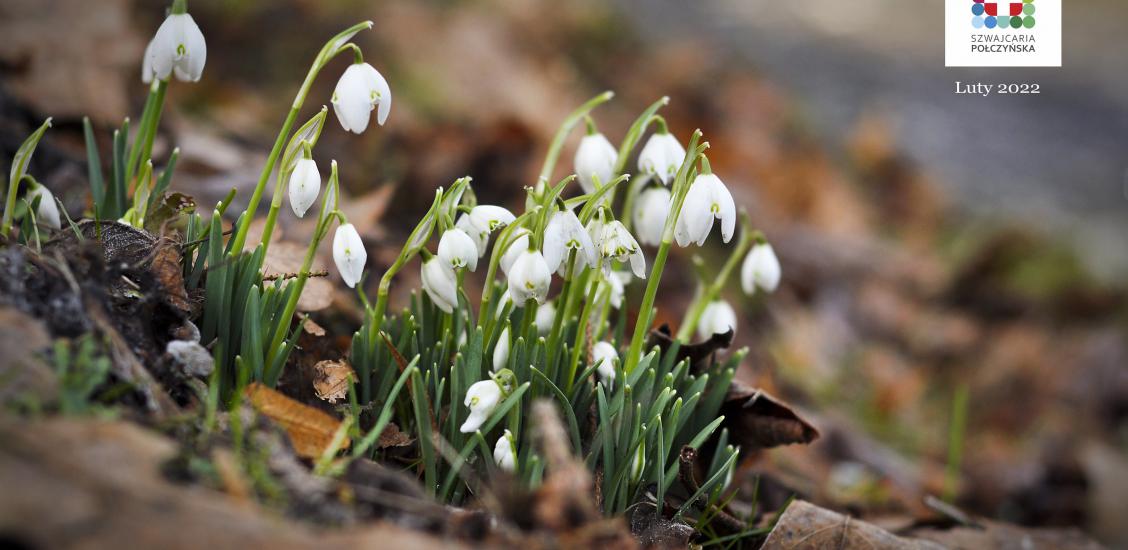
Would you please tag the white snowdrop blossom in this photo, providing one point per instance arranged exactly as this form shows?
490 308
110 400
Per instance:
661 157
760 269
708 199
305 184
490 218
596 157
604 355
47 212
529 278
177 48
717 318
564 234
651 209
501 351
546 315
516 247
349 254
361 89
616 243
440 283
458 249
505 452
482 398
480 238
503 301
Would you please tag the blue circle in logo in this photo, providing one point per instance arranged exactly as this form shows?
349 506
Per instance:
991 22
977 9
977 21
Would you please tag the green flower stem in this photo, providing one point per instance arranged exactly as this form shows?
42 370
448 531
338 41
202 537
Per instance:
179 7
581 335
562 134
680 187
710 292
146 131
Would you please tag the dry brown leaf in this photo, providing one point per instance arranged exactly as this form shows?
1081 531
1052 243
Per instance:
284 257
310 429
331 380
313 328
393 437
760 421
166 270
806 526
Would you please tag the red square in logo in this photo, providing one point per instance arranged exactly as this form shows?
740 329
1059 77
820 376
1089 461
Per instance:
991 8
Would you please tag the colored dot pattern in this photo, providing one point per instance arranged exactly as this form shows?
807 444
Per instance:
1002 14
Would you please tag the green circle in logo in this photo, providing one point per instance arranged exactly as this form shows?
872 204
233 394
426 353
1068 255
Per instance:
1028 9
1015 22
1028 22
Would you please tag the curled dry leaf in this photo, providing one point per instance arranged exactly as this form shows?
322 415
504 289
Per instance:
806 526
760 421
331 380
696 353
310 430
169 276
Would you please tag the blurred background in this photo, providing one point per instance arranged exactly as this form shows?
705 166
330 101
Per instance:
932 243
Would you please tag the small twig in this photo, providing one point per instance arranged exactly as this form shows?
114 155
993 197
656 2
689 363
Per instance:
276 276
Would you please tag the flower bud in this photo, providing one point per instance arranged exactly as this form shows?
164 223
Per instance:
651 209
717 318
458 249
177 48
501 351
482 398
505 452
546 315
349 254
361 89
519 245
305 184
616 243
596 157
604 355
760 269
47 212
563 234
440 283
638 463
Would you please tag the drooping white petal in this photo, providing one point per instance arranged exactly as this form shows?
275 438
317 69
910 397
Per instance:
481 238
722 206
490 218
178 45
596 157
519 245
305 184
505 454
618 244
501 351
349 254
546 315
604 355
696 219
563 234
617 282
760 269
147 72
529 278
717 318
651 209
440 283
359 90
482 398
661 157
191 66
47 212
458 249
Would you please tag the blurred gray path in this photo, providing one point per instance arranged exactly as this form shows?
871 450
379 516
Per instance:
1058 160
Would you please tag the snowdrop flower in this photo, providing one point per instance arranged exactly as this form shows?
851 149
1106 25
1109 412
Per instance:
717 318
546 315
501 351
177 48
617 281
458 249
349 254
505 452
480 239
503 301
652 207
529 278
661 156
305 184
638 463
563 234
595 158
440 283
760 269
707 199
482 398
519 245
47 211
604 355
490 218
616 243
361 89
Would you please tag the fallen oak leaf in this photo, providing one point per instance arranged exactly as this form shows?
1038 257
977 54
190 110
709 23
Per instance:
331 380
310 430
698 353
759 421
